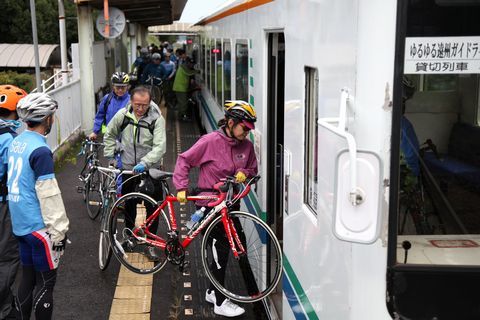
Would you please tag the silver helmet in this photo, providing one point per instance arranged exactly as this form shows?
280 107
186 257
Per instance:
35 107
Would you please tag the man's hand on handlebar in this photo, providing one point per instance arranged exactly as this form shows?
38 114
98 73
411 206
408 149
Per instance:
92 136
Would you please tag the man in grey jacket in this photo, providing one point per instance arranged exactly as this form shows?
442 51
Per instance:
140 128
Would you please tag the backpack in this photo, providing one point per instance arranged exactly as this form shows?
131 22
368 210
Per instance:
105 107
3 180
126 121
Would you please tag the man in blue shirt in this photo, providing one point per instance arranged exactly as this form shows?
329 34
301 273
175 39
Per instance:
168 74
152 70
38 215
409 146
9 257
111 103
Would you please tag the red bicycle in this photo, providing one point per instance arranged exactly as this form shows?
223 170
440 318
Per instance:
254 256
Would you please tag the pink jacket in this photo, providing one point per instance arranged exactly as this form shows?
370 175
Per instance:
217 156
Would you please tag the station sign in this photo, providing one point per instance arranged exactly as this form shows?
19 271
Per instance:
442 55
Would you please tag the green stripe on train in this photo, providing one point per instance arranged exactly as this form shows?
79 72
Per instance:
302 296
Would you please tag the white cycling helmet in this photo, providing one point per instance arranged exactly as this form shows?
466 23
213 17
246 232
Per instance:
35 107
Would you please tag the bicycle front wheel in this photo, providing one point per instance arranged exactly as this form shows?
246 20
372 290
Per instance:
256 272
128 216
93 194
104 248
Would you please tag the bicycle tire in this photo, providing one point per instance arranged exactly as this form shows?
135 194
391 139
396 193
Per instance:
161 95
104 248
129 251
156 95
260 273
93 196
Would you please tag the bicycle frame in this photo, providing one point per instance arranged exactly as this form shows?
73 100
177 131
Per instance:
218 203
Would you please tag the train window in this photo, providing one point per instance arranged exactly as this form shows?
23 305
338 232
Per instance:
241 71
209 67
212 68
227 69
219 72
439 192
202 64
311 138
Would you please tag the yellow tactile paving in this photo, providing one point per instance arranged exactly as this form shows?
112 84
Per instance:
133 295
130 316
128 306
133 292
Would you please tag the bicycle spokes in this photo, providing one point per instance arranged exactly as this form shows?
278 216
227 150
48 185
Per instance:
255 271
137 246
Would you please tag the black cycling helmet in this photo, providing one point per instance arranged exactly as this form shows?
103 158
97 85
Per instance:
408 88
120 79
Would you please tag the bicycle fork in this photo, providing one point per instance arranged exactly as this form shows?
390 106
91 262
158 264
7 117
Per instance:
232 235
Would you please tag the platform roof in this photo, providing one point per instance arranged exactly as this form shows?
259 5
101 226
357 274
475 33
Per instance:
144 12
14 55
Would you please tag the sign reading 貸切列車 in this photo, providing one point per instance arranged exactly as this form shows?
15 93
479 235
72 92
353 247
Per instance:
435 55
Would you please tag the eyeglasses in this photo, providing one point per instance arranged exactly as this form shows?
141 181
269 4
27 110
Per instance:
140 106
120 87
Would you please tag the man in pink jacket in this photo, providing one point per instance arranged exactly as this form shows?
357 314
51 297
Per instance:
222 153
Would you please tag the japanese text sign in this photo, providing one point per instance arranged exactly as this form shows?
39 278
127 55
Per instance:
442 55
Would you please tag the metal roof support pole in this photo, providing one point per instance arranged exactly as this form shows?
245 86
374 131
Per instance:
35 46
85 40
63 41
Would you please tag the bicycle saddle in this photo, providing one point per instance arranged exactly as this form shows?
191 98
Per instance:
157 174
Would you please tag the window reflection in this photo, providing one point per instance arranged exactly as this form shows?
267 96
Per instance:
241 65
439 194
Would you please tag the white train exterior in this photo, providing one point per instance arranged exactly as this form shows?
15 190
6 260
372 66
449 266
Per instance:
325 79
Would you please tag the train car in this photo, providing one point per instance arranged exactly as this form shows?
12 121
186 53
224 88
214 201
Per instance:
368 144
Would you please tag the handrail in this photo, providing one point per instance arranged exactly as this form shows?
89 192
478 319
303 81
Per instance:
55 79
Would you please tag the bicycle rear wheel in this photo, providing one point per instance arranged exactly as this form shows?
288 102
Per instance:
104 248
93 194
255 274
132 251
156 94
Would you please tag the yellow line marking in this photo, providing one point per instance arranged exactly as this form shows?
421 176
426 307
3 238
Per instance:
133 294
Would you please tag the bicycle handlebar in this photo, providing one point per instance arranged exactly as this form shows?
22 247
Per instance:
224 186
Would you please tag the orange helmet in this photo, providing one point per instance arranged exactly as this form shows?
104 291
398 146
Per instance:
9 96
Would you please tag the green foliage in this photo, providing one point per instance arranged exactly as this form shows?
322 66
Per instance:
153 39
16 26
22 80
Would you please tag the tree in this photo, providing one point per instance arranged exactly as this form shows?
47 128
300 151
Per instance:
16 26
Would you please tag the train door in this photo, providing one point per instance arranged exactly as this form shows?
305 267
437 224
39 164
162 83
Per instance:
275 137
434 223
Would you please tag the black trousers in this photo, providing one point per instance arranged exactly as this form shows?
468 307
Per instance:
9 261
131 185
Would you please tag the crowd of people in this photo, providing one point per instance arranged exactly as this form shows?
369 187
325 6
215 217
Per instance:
33 220
172 71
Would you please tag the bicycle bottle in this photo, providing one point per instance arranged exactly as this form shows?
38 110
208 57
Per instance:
196 217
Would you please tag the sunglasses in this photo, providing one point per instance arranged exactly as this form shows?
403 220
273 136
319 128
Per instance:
244 127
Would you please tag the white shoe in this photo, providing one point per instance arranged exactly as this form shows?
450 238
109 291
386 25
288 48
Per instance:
228 309
210 297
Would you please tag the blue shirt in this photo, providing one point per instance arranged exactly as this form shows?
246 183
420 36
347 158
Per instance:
152 69
409 146
168 69
29 160
116 103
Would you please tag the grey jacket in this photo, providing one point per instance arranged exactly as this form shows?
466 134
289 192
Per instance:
137 143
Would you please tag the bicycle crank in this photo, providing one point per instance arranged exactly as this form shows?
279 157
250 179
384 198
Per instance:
174 252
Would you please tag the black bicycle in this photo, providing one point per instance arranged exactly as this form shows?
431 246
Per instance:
90 177
156 90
